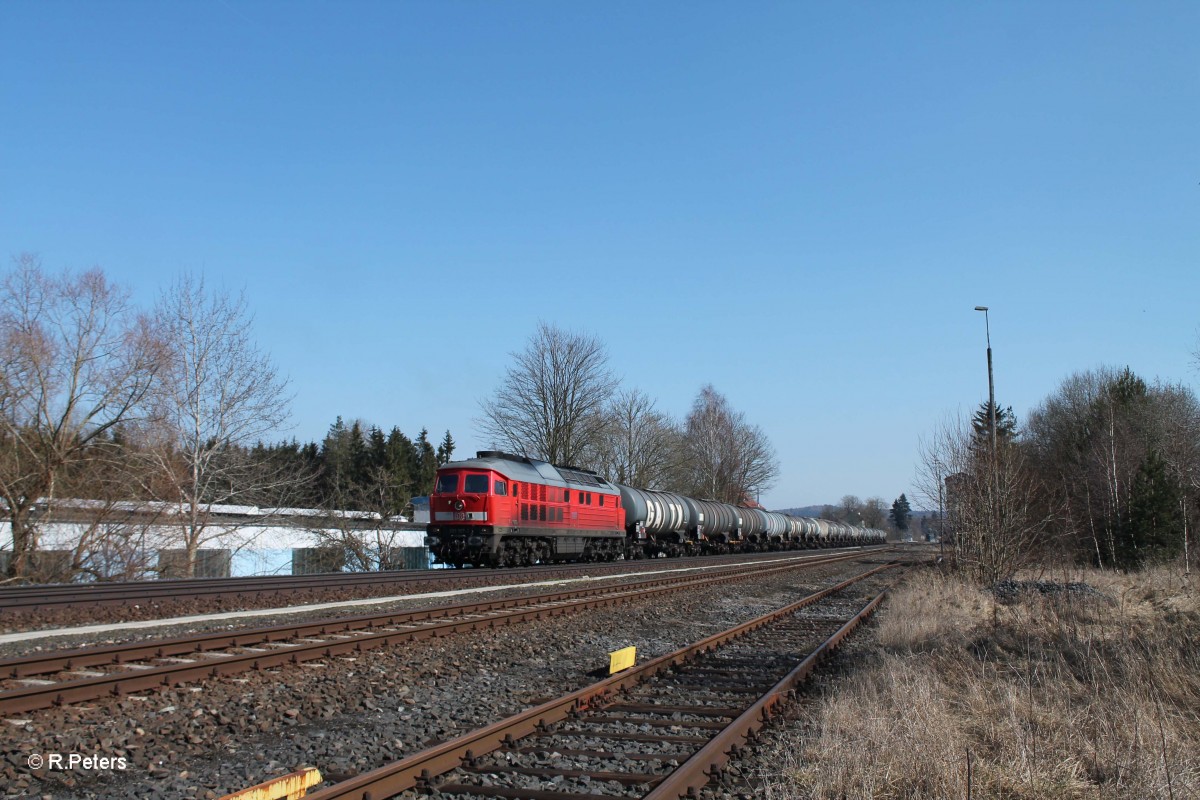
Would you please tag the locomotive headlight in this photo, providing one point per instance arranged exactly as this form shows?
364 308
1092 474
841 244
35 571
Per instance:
458 505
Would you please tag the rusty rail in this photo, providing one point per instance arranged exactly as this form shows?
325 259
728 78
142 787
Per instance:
694 773
422 624
24 599
420 768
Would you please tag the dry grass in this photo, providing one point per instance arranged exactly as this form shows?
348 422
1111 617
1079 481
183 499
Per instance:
1073 696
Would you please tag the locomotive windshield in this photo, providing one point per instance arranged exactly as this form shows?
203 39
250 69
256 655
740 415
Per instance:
447 484
477 484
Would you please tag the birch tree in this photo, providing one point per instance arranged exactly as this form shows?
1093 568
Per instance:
76 359
551 402
218 395
641 445
727 458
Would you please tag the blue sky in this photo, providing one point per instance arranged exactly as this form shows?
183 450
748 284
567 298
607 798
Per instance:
799 203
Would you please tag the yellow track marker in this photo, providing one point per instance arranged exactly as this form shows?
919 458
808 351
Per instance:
621 659
292 786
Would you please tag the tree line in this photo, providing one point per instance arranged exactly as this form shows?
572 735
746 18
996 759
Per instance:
102 402
1106 470
559 401
871 513
355 467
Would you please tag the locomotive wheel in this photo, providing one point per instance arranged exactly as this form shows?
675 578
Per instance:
509 555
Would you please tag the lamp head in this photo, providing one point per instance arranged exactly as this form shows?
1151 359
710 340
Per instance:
981 308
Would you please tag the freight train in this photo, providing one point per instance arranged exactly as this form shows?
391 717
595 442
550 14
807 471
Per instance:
503 510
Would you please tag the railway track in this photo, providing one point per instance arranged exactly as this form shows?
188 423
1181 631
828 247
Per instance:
24 600
656 731
70 676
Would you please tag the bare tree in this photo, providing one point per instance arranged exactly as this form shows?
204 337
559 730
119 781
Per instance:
1179 411
1088 442
115 532
850 509
641 445
217 396
874 512
369 482
1196 353
75 360
728 459
551 402
933 470
366 539
996 514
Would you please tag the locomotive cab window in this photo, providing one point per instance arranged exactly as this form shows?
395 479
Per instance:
567 496
476 484
501 488
447 484
601 499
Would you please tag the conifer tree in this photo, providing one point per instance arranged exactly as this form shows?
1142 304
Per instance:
1154 528
981 426
901 513
445 449
402 459
360 464
427 464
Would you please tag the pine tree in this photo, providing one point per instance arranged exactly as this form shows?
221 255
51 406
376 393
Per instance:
901 513
1154 529
402 459
981 425
335 463
445 449
377 449
427 464
360 462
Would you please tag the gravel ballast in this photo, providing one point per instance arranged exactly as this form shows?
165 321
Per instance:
347 715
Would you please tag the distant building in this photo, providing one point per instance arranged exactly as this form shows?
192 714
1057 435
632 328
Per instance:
143 539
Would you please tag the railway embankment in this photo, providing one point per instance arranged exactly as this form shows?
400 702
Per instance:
1073 684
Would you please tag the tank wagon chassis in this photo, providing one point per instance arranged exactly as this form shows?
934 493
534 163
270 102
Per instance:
507 511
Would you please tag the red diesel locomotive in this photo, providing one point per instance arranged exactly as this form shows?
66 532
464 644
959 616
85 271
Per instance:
507 510
503 510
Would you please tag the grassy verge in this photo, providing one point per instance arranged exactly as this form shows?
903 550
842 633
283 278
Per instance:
1093 693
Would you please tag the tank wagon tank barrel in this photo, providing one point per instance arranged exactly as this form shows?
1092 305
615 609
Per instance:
499 509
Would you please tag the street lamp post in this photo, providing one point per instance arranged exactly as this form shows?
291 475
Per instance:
989 542
991 385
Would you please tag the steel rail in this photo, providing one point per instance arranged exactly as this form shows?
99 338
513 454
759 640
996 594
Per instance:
694 773
420 768
453 619
46 662
25 599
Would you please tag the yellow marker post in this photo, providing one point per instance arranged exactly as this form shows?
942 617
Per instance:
292 786
621 659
